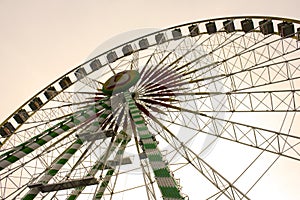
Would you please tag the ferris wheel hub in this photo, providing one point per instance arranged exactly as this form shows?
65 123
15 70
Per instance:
121 82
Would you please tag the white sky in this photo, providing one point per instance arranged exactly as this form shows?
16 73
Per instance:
42 40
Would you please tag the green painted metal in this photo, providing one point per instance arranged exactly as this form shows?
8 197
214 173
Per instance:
110 172
99 165
67 154
166 182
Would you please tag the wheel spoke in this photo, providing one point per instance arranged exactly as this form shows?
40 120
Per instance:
227 188
165 181
286 145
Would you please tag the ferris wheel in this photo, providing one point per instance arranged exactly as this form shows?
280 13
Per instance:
202 110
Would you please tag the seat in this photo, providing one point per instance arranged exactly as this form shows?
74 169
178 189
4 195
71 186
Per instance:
160 38
65 82
229 26
286 29
35 104
247 25
50 92
7 129
266 26
194 30
80 73
211 27
127 50
176 33
143 43
112 56
21 116
95 65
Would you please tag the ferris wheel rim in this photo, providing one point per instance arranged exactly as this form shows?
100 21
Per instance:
152 34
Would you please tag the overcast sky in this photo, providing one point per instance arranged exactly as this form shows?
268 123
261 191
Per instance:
41 40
